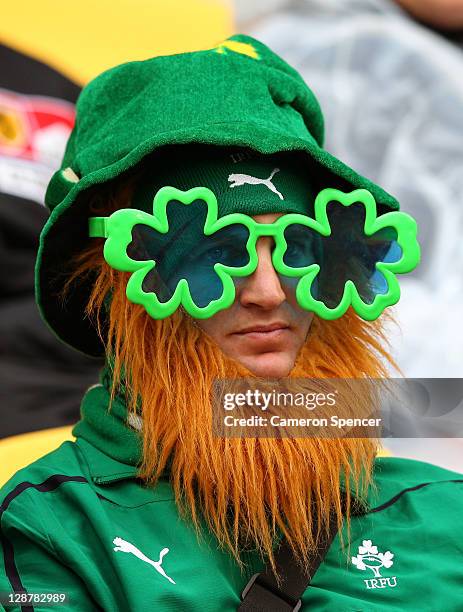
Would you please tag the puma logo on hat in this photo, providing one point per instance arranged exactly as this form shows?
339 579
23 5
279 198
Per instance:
237 180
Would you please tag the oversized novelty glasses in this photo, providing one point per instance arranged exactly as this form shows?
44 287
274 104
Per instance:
184 255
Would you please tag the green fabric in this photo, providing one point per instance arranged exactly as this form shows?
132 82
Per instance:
239 94
61 535
106 427
211 167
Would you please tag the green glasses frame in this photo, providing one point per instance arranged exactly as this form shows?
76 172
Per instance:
117 229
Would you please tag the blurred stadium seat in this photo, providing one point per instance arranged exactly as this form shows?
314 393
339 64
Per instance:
83 40
18 451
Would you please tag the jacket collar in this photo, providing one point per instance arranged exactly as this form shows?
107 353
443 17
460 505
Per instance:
109 437
111 442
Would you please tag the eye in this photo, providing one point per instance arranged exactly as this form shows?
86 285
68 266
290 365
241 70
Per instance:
214 254
299 252
228 253
296 248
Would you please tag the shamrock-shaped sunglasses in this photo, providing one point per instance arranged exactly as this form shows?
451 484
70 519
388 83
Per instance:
184 255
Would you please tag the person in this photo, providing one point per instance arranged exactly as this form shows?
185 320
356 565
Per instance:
200 233
440 14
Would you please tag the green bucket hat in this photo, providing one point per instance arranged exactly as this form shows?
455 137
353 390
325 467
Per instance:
238 95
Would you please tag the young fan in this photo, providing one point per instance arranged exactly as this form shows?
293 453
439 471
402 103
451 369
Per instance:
200 232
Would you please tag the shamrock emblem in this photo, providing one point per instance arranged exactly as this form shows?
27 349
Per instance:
369 557
357 252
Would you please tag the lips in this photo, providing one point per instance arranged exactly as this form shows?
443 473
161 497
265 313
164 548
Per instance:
263 329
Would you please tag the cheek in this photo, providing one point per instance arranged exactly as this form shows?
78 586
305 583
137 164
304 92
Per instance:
302 318
289 287
307 323
206 325
303 323
214 326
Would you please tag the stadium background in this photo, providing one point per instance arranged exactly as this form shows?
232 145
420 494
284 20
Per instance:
365 59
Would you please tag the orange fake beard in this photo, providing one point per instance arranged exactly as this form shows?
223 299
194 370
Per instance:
245 490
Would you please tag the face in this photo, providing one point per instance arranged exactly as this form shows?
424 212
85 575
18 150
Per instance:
265 328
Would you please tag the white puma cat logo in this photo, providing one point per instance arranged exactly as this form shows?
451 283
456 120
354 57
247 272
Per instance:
237 180
127 547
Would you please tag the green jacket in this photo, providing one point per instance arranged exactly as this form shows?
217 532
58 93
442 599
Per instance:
77 521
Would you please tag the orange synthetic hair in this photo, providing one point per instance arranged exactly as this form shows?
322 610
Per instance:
245 489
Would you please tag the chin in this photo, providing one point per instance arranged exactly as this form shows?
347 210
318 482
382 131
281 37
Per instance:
269 365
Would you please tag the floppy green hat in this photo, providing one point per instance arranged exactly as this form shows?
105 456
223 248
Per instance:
239 94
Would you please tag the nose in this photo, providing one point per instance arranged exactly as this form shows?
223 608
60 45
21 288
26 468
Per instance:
262 288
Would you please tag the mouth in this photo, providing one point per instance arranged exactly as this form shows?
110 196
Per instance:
270 331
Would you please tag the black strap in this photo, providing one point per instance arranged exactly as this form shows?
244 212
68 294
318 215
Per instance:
262 594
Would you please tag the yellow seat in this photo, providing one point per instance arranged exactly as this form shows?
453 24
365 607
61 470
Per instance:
18 451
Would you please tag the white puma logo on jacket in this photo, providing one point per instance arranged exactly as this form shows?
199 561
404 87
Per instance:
237 180
127 547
